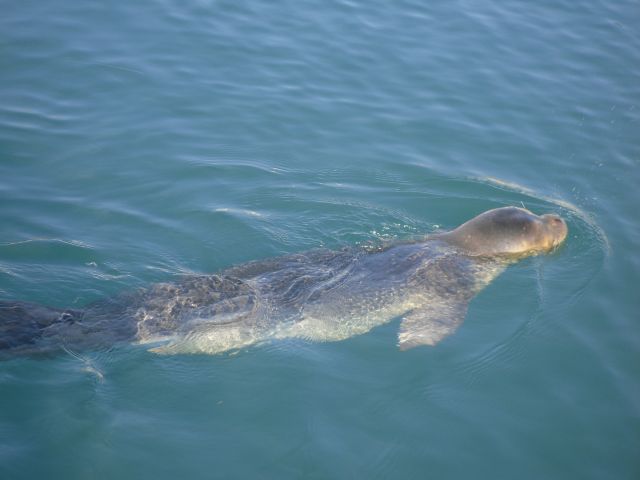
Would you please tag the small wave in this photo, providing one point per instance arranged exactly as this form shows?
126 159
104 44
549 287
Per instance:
73 243
240 212
48 250
88 365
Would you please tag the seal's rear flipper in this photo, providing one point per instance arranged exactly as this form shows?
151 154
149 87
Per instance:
23 324
431 323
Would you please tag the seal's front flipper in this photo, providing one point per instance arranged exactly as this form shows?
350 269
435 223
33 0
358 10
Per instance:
431 323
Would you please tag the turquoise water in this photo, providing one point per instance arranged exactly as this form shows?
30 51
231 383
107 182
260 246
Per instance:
141 141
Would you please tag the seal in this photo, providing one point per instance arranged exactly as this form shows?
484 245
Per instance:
321 295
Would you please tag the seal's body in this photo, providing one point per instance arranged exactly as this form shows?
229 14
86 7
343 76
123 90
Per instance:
320 295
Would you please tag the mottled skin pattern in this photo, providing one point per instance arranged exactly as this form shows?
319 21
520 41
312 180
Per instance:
320 295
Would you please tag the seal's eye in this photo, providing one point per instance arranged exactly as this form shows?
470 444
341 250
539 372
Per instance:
557 221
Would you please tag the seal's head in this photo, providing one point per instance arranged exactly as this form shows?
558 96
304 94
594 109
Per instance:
509 231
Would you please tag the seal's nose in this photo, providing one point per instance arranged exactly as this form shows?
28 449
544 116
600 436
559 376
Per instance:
558 227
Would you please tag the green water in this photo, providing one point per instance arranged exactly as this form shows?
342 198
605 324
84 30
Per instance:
140 141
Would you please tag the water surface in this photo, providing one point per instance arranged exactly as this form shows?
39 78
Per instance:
143 141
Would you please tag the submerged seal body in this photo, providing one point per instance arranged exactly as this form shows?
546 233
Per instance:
320 295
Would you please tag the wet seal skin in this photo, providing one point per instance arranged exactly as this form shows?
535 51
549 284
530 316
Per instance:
320 295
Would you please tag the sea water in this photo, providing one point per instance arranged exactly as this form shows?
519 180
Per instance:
142 141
